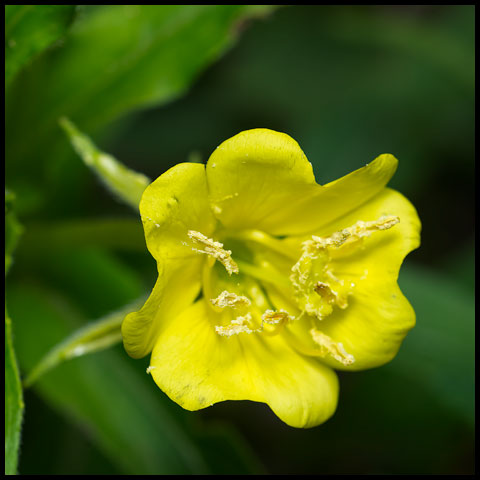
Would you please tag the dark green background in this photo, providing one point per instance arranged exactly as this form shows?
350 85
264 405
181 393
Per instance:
348 83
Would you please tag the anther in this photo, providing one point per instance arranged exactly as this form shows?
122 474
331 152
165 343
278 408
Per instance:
355 232
311 275
324 290
272 317
239 325
215 249
328 346
242 324
229 299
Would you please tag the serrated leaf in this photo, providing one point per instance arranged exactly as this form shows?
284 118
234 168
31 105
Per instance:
29 29
124 183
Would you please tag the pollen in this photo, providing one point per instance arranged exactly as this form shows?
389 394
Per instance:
329 347
229 299
317 289
239 325
214 249
355 232
272 323
274 318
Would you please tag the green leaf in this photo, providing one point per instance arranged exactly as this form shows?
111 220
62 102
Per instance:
124 183
125 414
149 55
29 29
13 389
94 337
13 402
439 353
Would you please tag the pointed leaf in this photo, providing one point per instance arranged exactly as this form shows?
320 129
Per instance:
126 184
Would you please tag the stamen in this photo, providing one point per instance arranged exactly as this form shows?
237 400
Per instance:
241 324
229 299
339 289
324 290
328 346
311 275
236 326
355 232
215 249
274 318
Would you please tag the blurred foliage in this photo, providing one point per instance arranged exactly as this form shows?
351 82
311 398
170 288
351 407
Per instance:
29 29
440 355
348 83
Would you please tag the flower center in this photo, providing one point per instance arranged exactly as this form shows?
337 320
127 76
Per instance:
234 282
233 286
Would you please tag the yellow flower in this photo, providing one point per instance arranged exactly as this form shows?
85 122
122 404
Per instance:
267 281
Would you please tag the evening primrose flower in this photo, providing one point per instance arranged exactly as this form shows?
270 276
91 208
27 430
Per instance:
267 281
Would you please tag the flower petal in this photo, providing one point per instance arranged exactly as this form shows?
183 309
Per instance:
319 206
341 196
196 368
253 175
261 179
378 316
177 286
172 205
